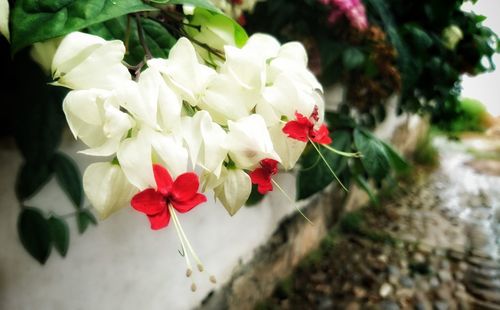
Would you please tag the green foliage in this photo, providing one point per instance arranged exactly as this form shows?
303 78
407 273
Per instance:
69 177
374 157
314 175
35 234
158 39
425 153
468 115
59 232
33 21
205 4
83 219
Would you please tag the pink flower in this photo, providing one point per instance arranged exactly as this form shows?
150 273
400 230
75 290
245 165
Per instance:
182 194
354 10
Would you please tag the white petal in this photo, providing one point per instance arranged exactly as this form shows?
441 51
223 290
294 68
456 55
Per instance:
263 45
184 71
289 150
4 18
107 188
84 115
74 48
249 142
169 153
85 61
235 190
227 100
247 68
135 159
140 100
43 53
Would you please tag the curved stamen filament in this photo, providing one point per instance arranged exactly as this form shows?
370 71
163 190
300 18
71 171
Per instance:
328 165
177 228
291 201
185 242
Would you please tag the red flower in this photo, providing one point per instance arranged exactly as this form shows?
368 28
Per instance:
302 129
262 176
182 194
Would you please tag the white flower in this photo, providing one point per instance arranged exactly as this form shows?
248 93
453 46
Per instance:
4 18
151 101
285 97
107 188
138 153
184 71
225 99
289 150
249 142
235 190
87 61
94 116
206 142
43 53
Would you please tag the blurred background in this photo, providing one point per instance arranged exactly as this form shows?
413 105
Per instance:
412 84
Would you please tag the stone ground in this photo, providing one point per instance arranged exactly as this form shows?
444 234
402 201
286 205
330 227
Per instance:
435 244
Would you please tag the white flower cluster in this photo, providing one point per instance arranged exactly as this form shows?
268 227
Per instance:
183 114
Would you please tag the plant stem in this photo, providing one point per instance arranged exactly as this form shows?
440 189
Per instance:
142 39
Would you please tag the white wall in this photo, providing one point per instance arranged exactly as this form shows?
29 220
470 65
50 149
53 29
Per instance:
486 87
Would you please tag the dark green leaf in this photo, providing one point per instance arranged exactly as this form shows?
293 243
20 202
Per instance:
60 234
34 232
83 219
31 178
366 187
374 158
158 39
33 20
352 58
397 162
314 174
69 178
206 4
39 117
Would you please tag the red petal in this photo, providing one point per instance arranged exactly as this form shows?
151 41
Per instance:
270 165
264 188
322 135
185 206
301 119
163 179
159 220
296 130
149 201
185 187
263 180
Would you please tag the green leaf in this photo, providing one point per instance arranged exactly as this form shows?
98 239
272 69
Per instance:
39 119
314 175
374 158
397 162
83 219
35 20
31 178
352 58
363 183
34 232
158 39
69 178
205 4
59 231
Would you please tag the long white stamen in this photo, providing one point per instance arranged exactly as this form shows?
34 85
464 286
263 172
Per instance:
186 256
196 258
291 201
328 165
